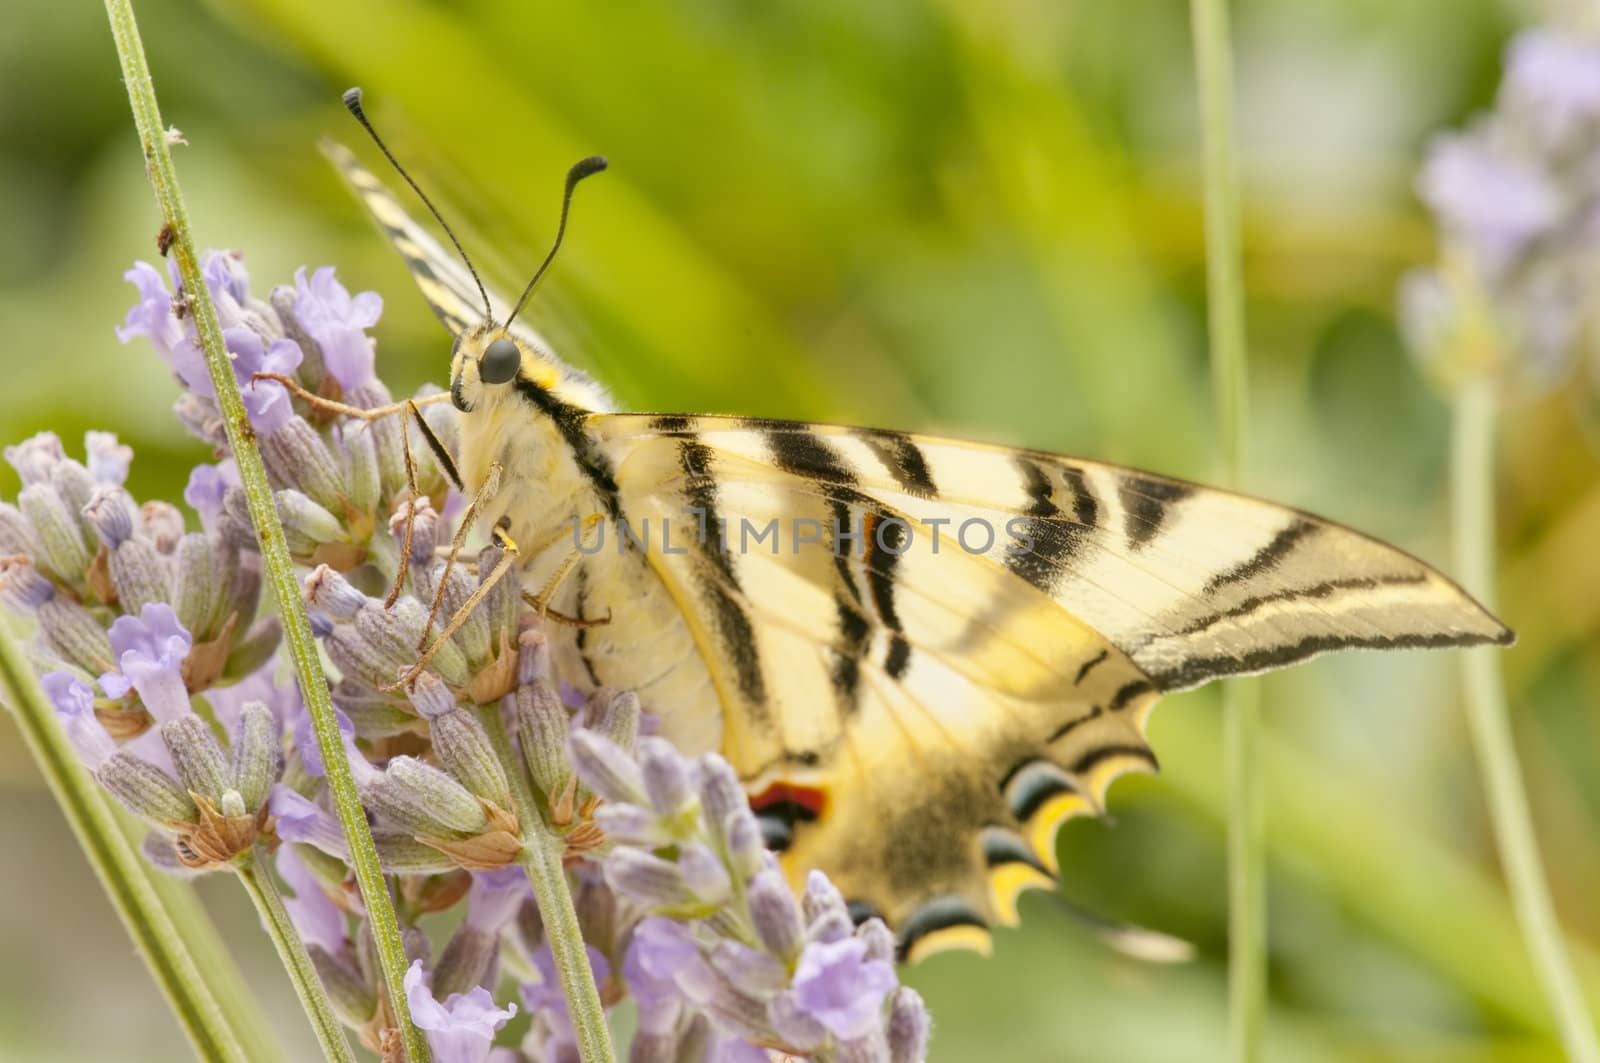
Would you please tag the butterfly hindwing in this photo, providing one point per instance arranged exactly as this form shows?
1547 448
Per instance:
922 720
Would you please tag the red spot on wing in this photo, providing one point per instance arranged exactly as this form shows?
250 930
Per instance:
809 798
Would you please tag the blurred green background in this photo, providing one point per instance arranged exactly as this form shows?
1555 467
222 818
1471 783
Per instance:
973 217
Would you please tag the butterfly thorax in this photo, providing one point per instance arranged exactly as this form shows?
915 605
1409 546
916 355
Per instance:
557 496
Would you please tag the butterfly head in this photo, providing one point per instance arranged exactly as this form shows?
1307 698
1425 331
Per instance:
490 360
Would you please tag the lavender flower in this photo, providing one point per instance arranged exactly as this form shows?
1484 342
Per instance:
74 704
677 900
739 948
338 323
150 651
460 1028
1517 201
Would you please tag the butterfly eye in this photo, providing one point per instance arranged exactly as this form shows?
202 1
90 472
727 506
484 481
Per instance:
500 362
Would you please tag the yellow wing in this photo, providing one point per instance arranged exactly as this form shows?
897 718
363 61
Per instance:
917 719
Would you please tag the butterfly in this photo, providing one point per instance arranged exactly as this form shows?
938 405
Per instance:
933 652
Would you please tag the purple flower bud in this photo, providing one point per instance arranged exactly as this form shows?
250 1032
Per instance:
908 1027
297 457
420 799
837 985
666 777
648 879
796 1026
108 459
16 534
541 726
821 898
162 524
306 525
358 466
23 584
776 915
337 322
208 485
430 697
631 825
606 768
313 913
75 486
879 939
299 819
72 632
614 714
747 850
150 650
66 555
74 704
463 748
108 513
256 753
751 968
533 657
461 1028
202 767
146 790
704 873
35 456
333 594
720 792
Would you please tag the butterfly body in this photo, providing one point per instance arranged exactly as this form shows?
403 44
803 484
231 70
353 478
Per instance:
922 655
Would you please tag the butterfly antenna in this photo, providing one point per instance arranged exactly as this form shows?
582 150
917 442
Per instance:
352 103
580 169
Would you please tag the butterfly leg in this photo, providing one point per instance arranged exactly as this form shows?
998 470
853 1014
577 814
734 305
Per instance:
508 559
446 462
541 601
486 491
322 402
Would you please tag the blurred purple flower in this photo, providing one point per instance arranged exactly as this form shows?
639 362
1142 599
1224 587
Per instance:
838 986
150 651
1497 205
305 740
495 896
460 1029
337 322
319 921
302 820
1554 80
659 949
545 998
208 485
74 703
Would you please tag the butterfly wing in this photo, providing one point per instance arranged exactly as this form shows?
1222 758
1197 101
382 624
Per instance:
918 719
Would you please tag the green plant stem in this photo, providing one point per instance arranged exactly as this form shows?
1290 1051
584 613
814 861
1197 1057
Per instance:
1241 706
277 566
257 882
1472 472
118 865
211 956
541 859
